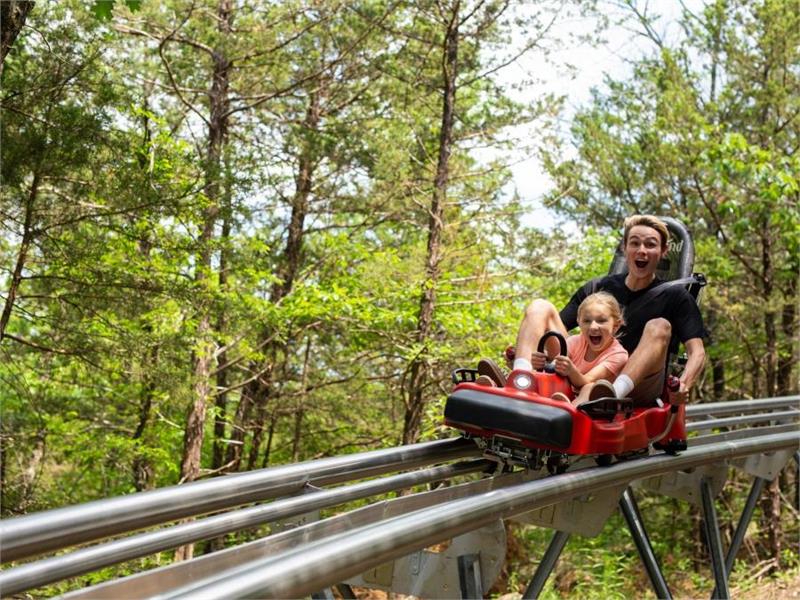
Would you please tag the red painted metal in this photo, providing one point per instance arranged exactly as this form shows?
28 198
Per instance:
623 434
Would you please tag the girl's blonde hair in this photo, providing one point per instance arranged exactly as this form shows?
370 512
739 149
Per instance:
604 299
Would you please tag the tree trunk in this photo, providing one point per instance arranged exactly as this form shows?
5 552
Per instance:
204 353
717 363
221 398
300 408
22 255
788 356
273 422
142 468
420 365
12 19
770 330
204 358
772 528
255 396
771 502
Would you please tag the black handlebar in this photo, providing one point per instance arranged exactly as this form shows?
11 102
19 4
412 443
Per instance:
549 367
561 341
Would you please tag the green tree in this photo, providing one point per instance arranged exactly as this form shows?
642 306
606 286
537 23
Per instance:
707 131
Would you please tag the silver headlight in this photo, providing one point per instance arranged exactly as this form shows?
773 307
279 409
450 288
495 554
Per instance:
522 381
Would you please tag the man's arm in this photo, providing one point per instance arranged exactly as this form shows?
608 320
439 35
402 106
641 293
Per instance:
696 358
569 314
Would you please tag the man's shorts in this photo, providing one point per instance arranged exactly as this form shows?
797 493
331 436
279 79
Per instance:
650 388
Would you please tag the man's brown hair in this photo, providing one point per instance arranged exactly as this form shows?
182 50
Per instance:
647 221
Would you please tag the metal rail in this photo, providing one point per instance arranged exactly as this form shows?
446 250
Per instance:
53 569
741 406
25 536
738 434
630 511
42 532
154 582
777 417
319 564
54 529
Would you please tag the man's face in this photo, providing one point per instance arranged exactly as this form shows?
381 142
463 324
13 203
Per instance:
643 251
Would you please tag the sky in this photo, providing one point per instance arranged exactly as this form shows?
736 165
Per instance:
591 64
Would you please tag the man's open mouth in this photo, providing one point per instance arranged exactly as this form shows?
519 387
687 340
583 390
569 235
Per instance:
640 263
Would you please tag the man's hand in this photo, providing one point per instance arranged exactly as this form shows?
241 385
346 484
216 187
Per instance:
679 396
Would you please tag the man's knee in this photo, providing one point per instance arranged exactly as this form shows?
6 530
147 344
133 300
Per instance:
540 306
658 330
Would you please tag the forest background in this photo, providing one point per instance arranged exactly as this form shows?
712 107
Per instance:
239 234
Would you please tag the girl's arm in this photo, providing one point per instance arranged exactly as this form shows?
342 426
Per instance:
565 367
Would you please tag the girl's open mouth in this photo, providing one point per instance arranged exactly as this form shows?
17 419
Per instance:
595 339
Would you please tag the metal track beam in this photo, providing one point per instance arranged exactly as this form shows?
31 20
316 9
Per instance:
776 417
741 406
316 565
741 527
54 529
60 567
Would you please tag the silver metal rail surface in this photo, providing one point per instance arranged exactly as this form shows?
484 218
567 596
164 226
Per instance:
739 434
60 528
741 406
772 417
54 529
317 565
84 560
154 582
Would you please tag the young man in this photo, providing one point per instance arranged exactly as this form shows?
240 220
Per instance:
649 324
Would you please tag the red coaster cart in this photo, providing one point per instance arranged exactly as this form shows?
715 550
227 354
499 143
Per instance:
519 422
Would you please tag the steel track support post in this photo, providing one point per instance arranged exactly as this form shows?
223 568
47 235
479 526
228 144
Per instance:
713 540
741 527
797 481
633 518
345 591
469 576
546 566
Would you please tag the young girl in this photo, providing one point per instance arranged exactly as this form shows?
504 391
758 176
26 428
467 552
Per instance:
594 354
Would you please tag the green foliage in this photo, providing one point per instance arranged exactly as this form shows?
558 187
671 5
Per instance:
697 133
103 9
302 249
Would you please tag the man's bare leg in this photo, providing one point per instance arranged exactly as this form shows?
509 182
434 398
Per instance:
540 316
648 358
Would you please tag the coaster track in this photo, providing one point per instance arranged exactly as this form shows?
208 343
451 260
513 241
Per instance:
316 555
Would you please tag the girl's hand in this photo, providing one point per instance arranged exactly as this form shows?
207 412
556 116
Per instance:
564 366
538 360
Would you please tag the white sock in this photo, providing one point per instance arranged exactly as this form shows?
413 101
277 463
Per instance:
523 363
623 385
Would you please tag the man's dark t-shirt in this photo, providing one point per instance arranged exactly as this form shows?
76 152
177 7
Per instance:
672 302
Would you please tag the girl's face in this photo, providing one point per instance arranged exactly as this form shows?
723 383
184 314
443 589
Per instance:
598 326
